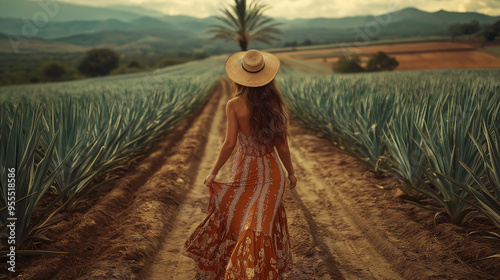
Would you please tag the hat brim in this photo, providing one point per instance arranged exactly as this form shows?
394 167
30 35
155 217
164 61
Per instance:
239 75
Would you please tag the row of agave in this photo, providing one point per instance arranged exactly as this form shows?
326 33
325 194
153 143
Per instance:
60 136
438 132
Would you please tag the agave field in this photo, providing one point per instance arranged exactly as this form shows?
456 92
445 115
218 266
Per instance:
436 131
57 137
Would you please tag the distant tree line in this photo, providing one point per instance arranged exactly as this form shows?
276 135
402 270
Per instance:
306 42
380 61
95 62
488 32
458 29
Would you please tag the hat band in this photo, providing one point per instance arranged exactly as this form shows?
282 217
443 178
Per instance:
253 71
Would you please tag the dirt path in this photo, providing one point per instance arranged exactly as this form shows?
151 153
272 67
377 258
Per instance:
330 237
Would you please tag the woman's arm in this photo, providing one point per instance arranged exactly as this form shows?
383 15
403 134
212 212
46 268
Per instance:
231 134
284 153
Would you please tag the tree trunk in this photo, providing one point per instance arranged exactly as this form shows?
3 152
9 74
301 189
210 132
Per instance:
243 45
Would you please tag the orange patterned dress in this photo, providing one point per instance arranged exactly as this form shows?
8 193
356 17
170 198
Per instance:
245 232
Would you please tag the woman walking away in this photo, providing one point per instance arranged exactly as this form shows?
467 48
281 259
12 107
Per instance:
245 232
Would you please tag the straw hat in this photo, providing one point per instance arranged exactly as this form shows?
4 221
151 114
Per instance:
252 68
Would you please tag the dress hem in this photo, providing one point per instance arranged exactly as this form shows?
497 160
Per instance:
287 267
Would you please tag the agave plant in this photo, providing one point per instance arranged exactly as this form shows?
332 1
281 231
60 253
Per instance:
403 142
372 115
245 24
71 120
33 178
445 148
486 185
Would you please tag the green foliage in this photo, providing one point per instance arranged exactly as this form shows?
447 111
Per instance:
349 65
444 149
126 70
492 31
403 141
25 63
245 24
20 151
471 27
485 186
168 61
378 62
53 70
99 62
18 77
464 28
381 62
496 26
200 55
306 42
134 64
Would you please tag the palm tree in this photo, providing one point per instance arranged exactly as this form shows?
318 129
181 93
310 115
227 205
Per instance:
245 24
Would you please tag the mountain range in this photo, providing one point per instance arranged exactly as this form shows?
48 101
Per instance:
133 28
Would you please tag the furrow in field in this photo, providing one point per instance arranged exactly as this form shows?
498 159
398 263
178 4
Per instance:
169 262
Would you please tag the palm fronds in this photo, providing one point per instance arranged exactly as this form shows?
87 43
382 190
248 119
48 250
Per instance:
245 24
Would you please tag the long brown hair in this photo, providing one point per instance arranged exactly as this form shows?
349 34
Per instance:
268 117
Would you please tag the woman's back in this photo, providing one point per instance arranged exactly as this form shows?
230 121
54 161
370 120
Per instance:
243 115
245 233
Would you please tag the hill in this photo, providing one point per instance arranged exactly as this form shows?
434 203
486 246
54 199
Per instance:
127 31
405 15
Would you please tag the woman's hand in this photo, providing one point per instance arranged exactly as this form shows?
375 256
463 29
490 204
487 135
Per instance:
293 181
208 181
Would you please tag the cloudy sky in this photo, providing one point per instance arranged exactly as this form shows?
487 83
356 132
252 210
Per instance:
307 8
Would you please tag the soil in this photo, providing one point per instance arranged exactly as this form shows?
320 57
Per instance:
344 222
411 56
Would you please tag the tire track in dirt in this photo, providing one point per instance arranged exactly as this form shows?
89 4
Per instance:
337 231
328 264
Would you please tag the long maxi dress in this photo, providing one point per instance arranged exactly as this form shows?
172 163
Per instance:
245 233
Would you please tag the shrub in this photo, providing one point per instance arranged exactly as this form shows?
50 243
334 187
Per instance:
134 64
351 65
99 62
381 62
53 70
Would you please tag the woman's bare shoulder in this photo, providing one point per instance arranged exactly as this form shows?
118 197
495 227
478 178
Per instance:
233 101
236 100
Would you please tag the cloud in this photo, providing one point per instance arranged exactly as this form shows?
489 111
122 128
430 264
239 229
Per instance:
307 8
491 7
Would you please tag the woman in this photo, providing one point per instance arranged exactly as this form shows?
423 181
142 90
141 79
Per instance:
245 232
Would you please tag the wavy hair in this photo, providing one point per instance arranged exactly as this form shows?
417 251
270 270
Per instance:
268 117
